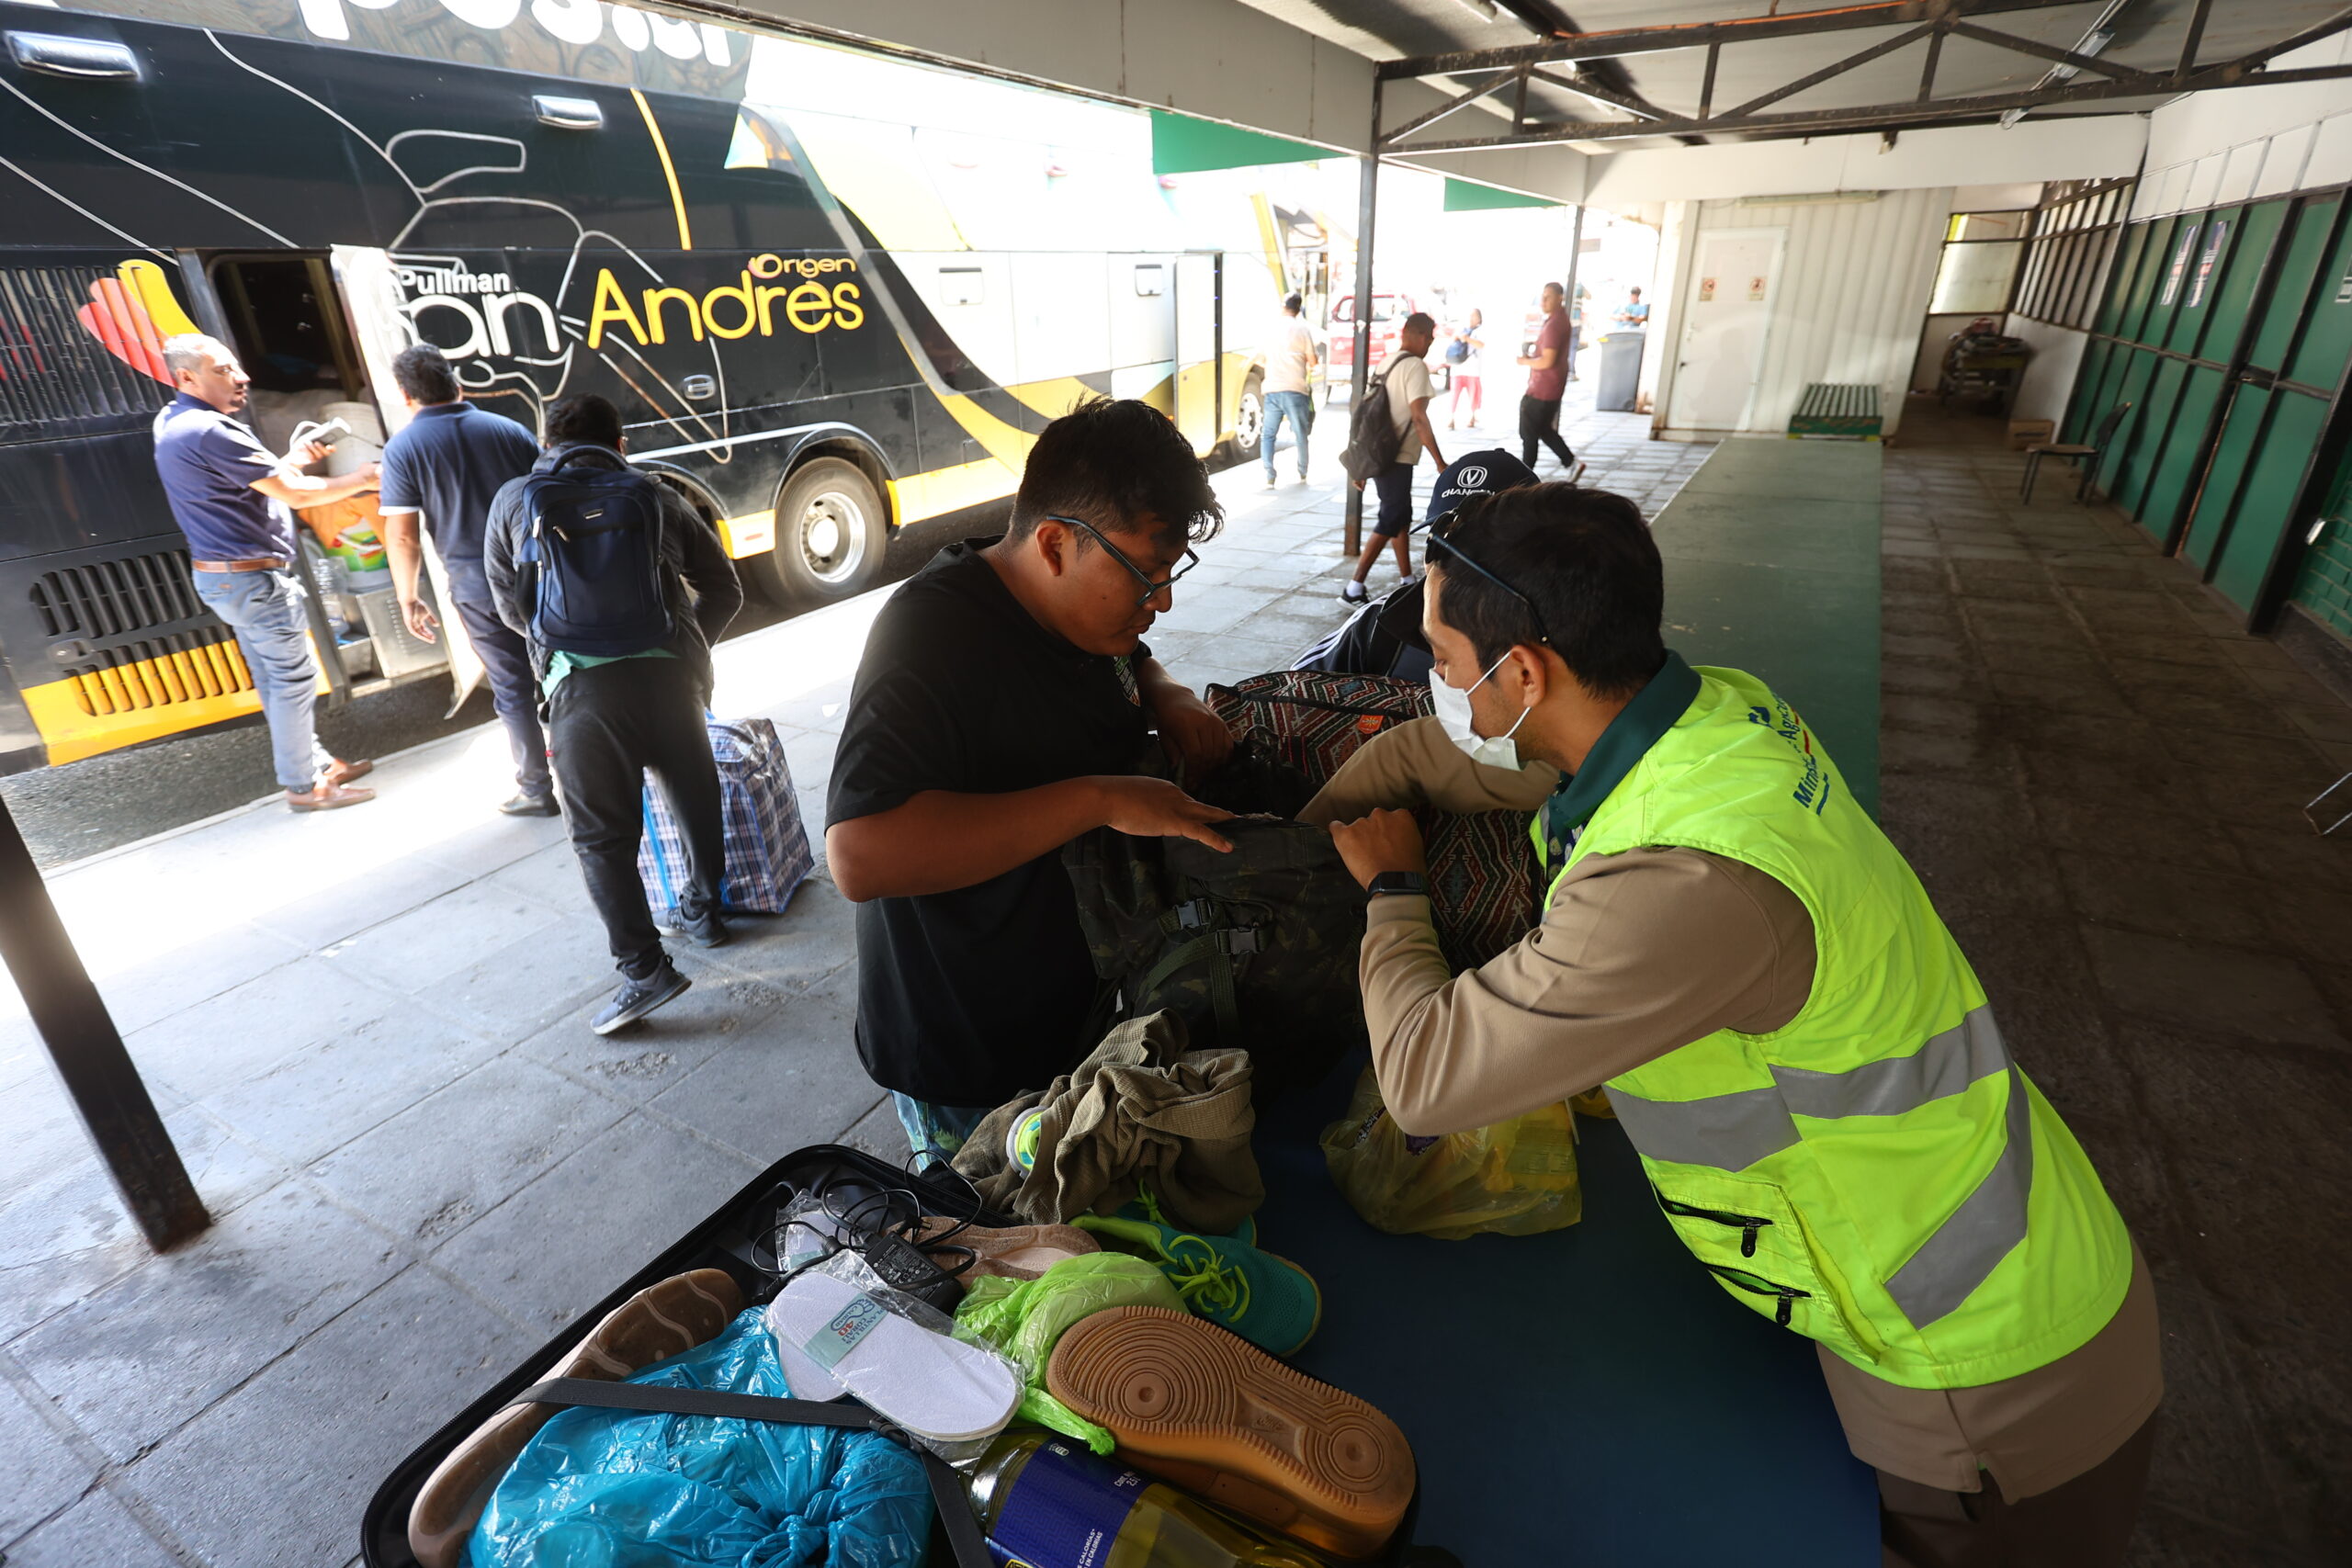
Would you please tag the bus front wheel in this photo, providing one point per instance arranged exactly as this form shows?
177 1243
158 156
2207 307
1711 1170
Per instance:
833 533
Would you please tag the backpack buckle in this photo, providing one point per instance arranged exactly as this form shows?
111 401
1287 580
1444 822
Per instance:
1194 914
1241 941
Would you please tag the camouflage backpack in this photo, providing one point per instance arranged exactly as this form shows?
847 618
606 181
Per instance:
1257 948
1483 874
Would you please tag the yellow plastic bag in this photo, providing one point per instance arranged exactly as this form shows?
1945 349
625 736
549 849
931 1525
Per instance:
1516 1178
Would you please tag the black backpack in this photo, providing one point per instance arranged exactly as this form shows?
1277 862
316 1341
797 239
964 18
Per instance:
1372 435
1256 949
591 545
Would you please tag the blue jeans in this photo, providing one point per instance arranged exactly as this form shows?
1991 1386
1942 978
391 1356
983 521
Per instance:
1280 406
264 609
934 1132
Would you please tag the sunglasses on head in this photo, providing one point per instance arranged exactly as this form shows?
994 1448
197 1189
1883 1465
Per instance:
1152 587
1438 543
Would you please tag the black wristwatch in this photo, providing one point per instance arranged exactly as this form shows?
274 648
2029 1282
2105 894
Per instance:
1388 882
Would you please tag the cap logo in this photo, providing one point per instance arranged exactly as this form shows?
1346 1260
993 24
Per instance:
1470 477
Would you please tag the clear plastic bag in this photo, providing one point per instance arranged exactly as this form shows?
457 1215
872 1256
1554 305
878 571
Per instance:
1516 1178
597 1488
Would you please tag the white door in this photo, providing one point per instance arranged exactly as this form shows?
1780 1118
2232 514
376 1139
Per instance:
1726 316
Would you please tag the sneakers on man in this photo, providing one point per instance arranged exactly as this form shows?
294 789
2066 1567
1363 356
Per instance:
657 1323
708 931
638 998
1353 593
325 797
1193 1404
530 806
1269 1300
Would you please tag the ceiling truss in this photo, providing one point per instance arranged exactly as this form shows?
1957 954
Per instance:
1926 25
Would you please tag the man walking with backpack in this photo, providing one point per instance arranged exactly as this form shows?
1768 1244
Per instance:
619 588
1403 390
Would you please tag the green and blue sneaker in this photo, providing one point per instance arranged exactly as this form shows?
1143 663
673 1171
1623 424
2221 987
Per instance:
1269 1300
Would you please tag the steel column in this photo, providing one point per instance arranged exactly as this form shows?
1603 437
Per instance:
1576 256
1367 212
97 1072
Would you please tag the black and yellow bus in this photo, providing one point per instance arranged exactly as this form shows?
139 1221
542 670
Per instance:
834 293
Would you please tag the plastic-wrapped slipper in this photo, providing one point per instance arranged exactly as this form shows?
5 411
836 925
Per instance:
934 1386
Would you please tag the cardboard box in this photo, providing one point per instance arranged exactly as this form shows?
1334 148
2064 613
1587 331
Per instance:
2025 432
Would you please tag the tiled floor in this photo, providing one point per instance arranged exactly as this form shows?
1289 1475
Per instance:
2098 777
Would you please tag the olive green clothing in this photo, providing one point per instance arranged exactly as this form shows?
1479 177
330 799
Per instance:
1610 980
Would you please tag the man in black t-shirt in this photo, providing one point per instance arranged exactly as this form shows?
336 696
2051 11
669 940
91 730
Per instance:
1005 701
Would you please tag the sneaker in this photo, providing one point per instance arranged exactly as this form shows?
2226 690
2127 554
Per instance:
709 931
638 998
657 1323
1269 1300
530 806
1270 481
1353 593
1194 1404
1015 1252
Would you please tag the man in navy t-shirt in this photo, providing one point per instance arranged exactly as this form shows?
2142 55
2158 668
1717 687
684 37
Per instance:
448 462
229 495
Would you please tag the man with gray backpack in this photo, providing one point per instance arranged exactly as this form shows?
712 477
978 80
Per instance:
619 588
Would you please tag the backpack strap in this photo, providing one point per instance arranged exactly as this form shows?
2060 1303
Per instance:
947 1487
1219 944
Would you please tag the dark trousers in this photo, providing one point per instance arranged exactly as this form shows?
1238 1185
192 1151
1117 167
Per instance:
606 726
1539 420
2087 1523
1395 487
513 691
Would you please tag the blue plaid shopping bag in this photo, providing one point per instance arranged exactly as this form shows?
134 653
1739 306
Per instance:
768 847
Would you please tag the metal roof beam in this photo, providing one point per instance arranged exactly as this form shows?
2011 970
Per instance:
1630 103
1389 139
2147 82
1700 35
1836 68
1891 117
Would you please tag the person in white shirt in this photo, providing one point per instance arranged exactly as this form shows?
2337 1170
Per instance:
1469 371
1409 390
1288 365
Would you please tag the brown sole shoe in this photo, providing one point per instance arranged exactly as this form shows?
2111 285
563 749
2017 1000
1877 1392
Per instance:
1017 1252
340 771
329 798
1221 1419
658 1321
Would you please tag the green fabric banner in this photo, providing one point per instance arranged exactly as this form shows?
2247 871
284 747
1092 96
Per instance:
1468 196
1182 144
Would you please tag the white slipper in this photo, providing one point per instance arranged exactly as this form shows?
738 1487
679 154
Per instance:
808 1379
934 1386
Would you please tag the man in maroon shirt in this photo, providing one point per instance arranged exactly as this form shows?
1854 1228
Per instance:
1547 383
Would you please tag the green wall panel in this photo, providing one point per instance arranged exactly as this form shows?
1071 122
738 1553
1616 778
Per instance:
2119 280
2240 431
2327 326
2135 466
2227 321
2265 507
2175 475
2309 243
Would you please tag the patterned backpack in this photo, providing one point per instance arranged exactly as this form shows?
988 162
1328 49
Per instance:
1482 867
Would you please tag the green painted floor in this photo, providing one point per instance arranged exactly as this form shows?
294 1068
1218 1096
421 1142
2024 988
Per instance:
1772 558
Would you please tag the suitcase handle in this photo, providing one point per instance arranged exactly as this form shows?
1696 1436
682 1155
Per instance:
946 1489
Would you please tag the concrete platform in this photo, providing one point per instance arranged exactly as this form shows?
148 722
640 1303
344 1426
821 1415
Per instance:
367 1031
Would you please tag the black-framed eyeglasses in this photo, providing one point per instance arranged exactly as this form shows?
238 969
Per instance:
1438 540
1152 587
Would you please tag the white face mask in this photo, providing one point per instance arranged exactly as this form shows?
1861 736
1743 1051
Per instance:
1452 706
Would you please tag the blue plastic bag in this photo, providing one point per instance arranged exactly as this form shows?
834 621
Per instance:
617 1489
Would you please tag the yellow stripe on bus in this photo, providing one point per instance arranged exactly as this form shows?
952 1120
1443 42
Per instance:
942 490
677 201
103 710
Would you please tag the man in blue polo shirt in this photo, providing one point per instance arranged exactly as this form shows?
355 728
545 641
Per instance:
449 461
230 495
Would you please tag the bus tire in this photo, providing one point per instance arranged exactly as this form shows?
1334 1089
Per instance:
1250 418
833 534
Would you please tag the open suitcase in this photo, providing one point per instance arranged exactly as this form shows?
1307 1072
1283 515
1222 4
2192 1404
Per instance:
730 1239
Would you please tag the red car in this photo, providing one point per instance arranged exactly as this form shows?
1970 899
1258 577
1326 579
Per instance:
1388 314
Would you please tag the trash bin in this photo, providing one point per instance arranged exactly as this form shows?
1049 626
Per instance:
1621 371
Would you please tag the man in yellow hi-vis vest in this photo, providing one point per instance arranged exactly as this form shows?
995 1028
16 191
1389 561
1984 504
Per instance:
1816 1083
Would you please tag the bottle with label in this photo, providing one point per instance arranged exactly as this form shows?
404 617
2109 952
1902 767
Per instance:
1047 1502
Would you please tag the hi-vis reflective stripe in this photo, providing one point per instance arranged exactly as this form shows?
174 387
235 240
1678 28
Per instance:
1731 1132
1986 1228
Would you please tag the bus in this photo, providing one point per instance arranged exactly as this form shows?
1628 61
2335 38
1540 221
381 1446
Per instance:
834 292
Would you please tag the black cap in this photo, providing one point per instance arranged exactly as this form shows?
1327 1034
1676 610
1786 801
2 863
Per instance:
1481 473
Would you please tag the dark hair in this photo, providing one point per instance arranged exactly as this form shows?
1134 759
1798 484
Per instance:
1293 304
423 374
1109 462
1635 291
1420 320
585 418
1589 572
